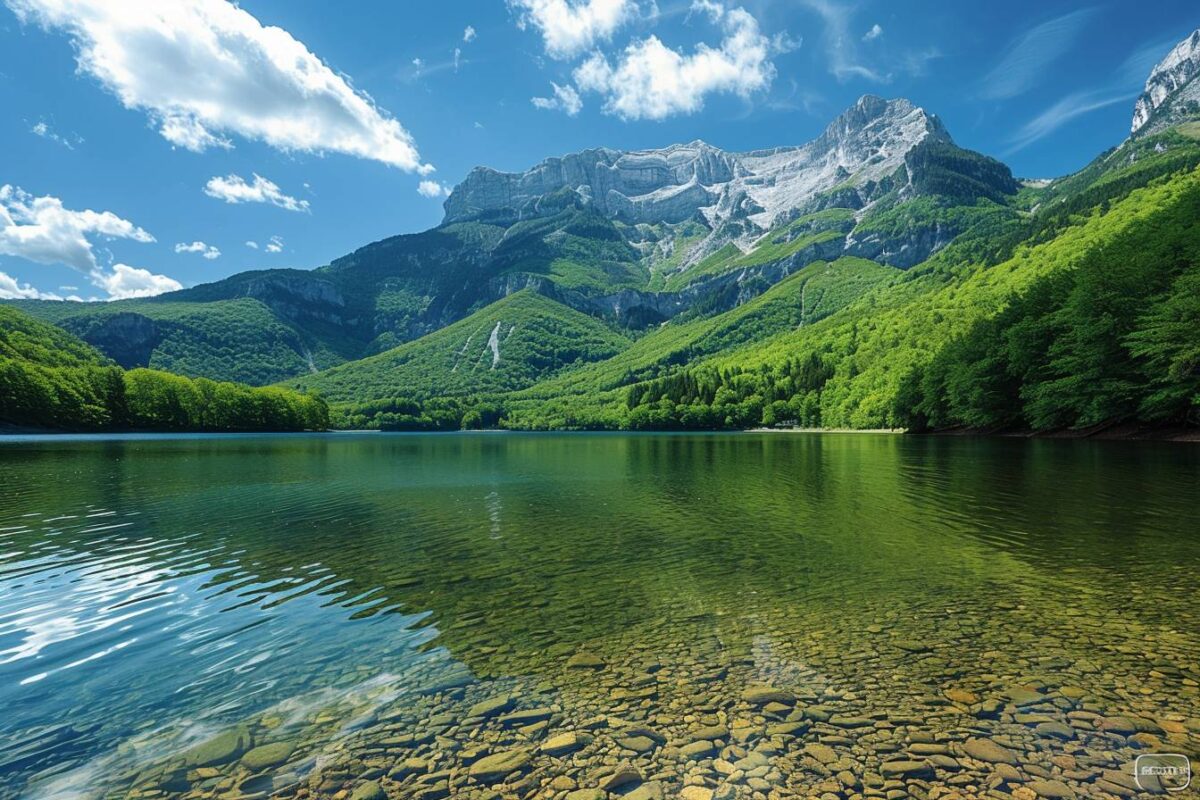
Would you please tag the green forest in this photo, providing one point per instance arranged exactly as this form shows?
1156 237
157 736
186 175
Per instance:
50 379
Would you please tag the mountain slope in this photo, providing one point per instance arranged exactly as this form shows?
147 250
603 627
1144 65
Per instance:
508 345
23 338
50 379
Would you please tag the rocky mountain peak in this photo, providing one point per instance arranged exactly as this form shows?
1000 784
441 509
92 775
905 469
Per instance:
1173 86
864 145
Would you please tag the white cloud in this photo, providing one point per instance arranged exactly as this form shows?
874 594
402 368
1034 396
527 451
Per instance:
125 281
205 70
565 99
41 230
43 130
433 189
10 289
569 27
873 34
652 81
840 45
457 58
1030 53
469 34
206 250
253 245
235 189
275 245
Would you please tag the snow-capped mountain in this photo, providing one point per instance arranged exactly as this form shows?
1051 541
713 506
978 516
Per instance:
865 145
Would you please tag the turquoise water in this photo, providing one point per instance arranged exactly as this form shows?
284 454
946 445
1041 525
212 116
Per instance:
333 594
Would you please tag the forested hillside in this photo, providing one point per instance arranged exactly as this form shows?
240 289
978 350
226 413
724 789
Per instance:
50 379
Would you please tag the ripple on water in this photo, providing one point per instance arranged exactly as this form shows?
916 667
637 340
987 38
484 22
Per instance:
334 595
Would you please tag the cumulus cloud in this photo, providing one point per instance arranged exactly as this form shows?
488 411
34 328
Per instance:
569 27
873 34
206 250
469 34
235 189
433 189
124 282
564 99
652 81
11 289
41 230
253 245
275 244
206 70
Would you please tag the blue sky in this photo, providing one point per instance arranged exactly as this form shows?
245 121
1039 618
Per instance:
193 128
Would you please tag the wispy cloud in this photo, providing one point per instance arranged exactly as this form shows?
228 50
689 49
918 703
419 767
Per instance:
43 129
1070 107
1031 52
841 46
1122 87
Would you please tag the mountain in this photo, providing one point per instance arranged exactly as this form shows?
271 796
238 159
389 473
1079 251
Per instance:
879 275
633 239
1172 90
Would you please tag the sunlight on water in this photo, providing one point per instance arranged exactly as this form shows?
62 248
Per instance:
231 616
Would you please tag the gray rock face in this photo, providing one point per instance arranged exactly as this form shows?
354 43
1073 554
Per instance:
865 144
1172 86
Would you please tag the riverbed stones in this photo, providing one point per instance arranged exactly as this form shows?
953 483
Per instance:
989 751
762 695
753 703
698 750
907 769
369 790
564 743
624 775
267 755
494 768
1052 790
491 707
221 749
585 661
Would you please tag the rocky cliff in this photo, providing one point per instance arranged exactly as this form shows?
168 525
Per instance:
1172 90
863 146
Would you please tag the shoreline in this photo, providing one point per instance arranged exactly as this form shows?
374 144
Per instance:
1114 433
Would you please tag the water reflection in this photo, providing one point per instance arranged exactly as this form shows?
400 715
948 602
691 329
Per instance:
154 591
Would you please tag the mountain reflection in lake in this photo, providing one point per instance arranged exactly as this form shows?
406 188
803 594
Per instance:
741 615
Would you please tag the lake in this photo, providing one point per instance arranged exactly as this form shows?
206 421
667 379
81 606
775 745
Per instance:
511 615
